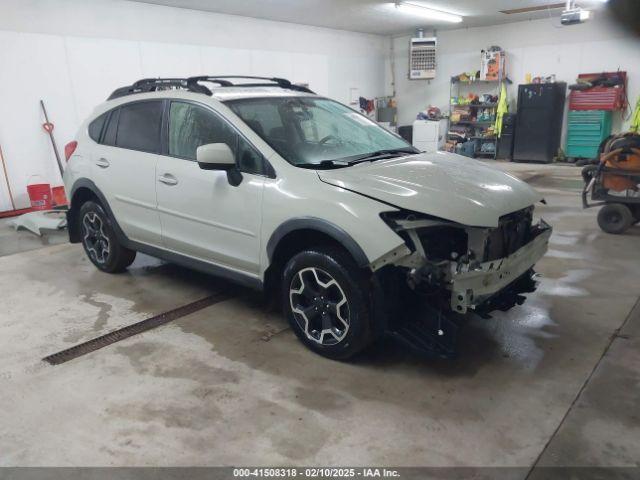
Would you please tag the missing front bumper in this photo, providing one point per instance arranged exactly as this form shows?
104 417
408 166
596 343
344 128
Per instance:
473 289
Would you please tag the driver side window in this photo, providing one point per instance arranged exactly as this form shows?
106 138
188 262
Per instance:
191 126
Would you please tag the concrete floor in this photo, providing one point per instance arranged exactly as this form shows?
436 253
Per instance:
12 241
552 383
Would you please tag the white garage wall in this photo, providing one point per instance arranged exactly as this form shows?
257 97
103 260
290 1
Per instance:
540 47
73 53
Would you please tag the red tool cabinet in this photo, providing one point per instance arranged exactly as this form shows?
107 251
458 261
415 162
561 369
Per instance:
600 98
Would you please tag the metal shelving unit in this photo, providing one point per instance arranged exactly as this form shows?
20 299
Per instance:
479 126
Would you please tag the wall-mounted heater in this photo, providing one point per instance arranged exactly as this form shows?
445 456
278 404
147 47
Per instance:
422 58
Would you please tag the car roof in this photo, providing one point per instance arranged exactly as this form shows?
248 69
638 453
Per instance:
224 94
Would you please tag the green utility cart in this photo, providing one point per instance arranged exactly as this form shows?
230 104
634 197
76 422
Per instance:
586 129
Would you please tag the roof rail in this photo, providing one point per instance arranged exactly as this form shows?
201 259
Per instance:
149 85
223 80
192 84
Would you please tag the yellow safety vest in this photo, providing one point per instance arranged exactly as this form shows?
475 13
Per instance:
635 118
503 108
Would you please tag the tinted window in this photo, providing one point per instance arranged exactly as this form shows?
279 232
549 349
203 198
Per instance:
109 137
191 126
95 127
249 159
139 126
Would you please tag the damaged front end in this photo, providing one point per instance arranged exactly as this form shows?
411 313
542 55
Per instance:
460 268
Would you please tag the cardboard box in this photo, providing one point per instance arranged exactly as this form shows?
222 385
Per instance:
491 64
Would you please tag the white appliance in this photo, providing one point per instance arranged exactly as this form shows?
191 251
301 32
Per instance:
422 58
429 135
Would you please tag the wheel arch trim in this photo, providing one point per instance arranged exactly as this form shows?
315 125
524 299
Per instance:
322 226
74 210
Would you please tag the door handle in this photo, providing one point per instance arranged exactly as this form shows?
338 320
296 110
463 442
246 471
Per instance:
102 162
168 179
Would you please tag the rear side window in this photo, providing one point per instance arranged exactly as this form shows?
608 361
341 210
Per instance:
109 137
139 126
95 127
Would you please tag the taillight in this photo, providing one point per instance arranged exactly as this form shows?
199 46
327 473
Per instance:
69 148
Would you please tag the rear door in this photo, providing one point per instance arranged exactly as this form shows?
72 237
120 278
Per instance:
202 214
124 167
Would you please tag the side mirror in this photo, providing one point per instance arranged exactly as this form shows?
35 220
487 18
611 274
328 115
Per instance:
215 156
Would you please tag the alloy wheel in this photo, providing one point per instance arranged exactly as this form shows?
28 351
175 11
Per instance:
319 306
95 240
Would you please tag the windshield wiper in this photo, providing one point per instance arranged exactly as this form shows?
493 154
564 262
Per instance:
325 164
382 154
367 157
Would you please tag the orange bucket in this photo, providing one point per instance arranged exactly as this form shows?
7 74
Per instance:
40 196
59 197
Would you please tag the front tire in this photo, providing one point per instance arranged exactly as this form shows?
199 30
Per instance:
100 241
326 299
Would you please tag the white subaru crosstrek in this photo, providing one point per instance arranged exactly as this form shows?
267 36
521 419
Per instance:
272 186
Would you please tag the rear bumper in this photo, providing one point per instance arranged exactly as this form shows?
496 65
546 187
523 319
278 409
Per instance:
475 288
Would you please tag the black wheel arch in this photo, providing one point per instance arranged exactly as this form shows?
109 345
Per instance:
302 234
322 226
296 234
83 190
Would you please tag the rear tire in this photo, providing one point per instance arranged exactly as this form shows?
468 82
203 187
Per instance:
615 218
100 241
327 301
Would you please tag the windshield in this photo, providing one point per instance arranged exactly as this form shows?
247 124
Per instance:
306 131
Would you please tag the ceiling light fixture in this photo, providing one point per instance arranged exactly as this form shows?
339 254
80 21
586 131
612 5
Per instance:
426 12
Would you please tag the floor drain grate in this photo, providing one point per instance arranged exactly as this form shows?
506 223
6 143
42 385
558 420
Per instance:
131 330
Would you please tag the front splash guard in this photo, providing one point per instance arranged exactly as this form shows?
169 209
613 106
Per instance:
435 333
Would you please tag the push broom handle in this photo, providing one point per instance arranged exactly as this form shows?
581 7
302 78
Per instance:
53 140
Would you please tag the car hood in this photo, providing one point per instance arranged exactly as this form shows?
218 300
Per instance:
444 185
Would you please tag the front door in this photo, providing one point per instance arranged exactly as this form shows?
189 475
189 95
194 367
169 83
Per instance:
201 214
